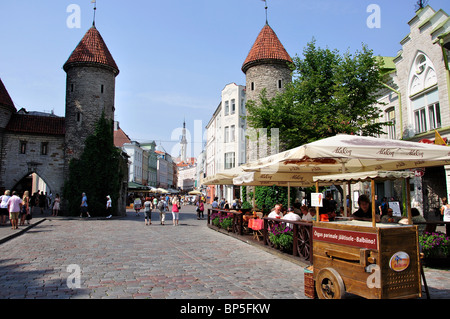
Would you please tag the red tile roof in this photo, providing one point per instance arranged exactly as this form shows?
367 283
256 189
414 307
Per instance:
267 48
5 99
33 124
120 138
92 49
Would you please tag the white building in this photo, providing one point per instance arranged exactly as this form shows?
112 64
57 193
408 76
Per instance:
136 170
226 142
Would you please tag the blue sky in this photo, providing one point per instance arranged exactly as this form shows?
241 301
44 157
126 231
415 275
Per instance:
176 56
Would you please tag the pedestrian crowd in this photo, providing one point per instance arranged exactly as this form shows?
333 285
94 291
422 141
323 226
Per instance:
165 204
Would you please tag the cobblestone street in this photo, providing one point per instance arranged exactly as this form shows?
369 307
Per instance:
123 258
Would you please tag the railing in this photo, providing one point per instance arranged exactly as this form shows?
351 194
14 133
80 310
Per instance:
302 231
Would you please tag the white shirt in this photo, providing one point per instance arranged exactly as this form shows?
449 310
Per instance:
274 214
308 217
4 203
291 216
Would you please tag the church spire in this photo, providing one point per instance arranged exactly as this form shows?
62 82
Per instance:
95 10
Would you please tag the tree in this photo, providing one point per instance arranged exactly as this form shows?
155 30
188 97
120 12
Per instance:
330 94
97 172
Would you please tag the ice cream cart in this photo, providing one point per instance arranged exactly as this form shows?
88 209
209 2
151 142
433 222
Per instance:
365 258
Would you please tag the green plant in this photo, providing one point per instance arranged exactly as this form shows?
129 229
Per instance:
435 244
226 223
246 205
282 237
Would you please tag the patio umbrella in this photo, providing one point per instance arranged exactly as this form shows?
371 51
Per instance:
348 154
162 191
195 193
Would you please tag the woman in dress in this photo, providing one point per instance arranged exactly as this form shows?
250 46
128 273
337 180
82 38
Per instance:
56 205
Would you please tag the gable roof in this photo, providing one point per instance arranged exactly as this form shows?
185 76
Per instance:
92 49
266 49
5 99
33 124
120 138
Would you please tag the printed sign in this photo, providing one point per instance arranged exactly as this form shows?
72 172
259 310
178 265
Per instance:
395 209
317 200
399 261
345 237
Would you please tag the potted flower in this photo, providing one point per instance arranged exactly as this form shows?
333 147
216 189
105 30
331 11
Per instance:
435 247
282 237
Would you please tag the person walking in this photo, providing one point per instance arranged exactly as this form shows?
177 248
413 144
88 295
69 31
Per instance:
108 207
137 205
148 211
24 211
84 206
200 209
56 205
175 211
162 210
4 207
14 207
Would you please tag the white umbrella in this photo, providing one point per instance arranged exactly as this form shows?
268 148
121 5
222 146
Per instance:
353 154
195 193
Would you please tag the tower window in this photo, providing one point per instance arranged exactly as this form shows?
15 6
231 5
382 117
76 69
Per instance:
44 148
71 88
253 86
23 147
78 116
280 84
102 88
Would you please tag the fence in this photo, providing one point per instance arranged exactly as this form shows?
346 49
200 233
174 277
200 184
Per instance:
233 221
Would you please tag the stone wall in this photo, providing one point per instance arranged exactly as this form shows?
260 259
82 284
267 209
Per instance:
16 166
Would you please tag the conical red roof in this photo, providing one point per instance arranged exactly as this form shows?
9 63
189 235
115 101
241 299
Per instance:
267 48
92 49
5 99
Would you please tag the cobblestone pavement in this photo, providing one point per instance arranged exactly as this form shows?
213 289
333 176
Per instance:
123 258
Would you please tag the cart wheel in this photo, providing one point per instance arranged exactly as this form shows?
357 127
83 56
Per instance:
329 284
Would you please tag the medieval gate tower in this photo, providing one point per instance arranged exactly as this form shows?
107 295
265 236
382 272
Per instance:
266 67
90 90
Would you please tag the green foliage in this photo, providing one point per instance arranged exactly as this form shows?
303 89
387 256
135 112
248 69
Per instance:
435 244
330 94
272 195
282 237
97 172
246 205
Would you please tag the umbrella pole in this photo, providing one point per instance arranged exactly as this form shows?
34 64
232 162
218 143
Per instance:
372 182
289 196
317 208
408 201
344 199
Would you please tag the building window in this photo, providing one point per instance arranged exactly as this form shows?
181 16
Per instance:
233 133
227 107
71 88
226 134
253 86
23 147
434 116
280 84
229 160
78 117
390 115
233 106
44 148
102 89
420 120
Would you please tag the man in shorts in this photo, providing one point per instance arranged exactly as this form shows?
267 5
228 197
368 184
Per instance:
84 205
148 211
14 207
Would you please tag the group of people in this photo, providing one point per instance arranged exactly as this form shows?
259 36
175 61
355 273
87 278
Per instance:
163 204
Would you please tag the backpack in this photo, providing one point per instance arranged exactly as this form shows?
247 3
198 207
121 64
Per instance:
161 205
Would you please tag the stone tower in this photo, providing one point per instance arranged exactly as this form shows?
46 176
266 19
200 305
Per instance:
266 67
90 90
7 109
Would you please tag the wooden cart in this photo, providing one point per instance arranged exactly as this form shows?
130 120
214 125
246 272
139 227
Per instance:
368 259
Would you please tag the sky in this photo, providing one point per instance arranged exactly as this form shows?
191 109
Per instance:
176 56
